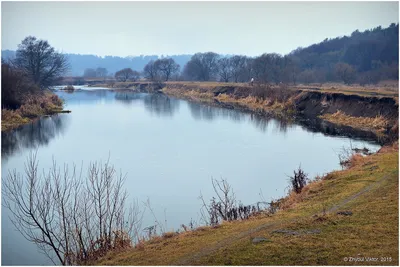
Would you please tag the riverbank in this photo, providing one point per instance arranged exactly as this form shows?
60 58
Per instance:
35 106
345 217
378 115
343 110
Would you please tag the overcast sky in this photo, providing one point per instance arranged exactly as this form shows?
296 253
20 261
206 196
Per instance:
148 28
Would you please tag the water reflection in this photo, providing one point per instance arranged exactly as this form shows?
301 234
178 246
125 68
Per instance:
282 126
38 133
161 105
209 113
260 122
83 96
242 145
317 125
127 97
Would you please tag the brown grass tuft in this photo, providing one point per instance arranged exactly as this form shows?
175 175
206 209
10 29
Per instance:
169 234
34 106
378 124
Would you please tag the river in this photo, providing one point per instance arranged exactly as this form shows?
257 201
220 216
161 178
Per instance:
169 149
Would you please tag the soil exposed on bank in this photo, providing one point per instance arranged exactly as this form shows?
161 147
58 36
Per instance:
372 117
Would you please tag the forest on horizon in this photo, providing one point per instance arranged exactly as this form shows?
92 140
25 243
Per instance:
363 57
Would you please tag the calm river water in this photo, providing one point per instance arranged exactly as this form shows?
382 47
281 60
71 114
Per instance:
169 149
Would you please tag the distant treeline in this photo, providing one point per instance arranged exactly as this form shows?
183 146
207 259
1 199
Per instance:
79 64
364 58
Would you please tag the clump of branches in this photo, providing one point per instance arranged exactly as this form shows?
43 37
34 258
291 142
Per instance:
348 156
73 220
345 156
261 91
14 86
224 206
298 180
152 229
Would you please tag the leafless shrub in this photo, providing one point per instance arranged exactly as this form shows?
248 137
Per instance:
72 220
224 206
219 207
190 227
298 180
348 155
152 230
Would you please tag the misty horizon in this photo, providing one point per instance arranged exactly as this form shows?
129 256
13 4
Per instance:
186 54
130 29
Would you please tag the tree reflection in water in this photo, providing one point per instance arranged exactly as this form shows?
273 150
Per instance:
33 135
209 113
161 105
126 97
261 122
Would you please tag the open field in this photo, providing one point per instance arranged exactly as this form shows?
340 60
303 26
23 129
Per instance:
309 228
389 88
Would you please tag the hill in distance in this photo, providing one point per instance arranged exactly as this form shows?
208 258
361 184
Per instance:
372 53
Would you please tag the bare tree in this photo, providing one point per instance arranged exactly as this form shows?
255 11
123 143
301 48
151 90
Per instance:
221 205
238 64
89 73
307 76
202 66
37 59
225 195
224 206
135 76
101 72
167 67
291 69
225 69
72 220
14 86
151 71
126 74
346 72
267 68
247 72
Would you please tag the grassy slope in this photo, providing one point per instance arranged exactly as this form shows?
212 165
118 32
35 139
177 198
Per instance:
372 230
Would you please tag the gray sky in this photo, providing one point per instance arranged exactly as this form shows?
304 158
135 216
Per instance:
135 28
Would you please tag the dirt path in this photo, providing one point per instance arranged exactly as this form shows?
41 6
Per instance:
356 195
190 259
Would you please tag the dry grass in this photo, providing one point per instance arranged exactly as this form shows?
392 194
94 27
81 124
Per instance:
33 107
377 124
11 119
169 234
388 88
250 102
372 230
276 99
189 94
